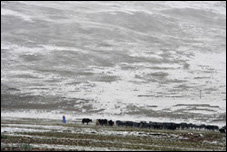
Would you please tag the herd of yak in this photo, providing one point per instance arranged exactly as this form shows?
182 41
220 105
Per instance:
155 125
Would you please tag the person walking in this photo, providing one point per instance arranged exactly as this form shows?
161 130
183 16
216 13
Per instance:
63 119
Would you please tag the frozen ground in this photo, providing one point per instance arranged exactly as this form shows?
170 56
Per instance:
119 60
47 134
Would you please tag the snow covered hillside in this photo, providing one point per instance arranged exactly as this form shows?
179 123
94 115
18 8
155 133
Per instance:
158 60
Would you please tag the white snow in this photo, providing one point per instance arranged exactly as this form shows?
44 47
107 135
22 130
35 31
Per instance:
8 12
178 64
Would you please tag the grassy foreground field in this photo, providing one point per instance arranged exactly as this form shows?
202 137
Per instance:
39 134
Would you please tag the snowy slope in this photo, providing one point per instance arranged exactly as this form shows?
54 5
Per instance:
124 60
